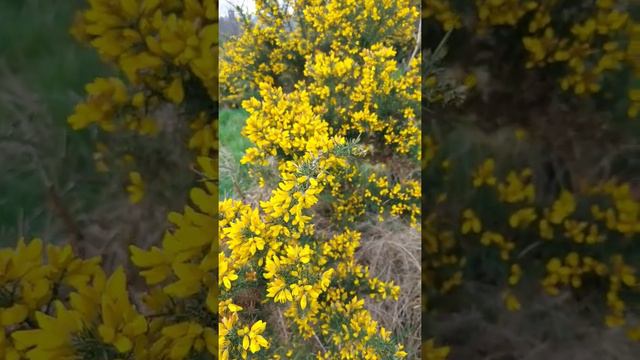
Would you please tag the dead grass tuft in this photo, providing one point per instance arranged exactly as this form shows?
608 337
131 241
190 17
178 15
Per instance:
392 250
546 328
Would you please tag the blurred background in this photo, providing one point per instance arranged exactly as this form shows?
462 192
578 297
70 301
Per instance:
501 88
71 186
45 167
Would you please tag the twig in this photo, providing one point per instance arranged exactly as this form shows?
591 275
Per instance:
284 327
416 48
319 342
63 213
437 52
153 316
529 248
236 186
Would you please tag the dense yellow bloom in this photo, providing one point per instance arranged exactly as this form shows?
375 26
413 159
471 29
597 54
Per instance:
54 337
284 123
318 110
100 314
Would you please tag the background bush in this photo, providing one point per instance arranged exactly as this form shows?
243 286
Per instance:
531 123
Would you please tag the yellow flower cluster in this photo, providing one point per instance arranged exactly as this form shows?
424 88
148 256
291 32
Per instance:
276 247
181 275
506 12
377 196
503 224
598 42
345 76
592 48
55 306
579 240
352 104
442 267
154 42
442 11
431 352
275 48
284 124
333 98
167 51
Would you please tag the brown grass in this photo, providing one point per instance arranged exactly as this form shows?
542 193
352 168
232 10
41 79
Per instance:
392 250
547 328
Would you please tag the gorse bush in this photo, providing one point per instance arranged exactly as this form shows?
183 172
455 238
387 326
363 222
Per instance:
266 53
510 201
57 306
579 241
332 90
546 61
164 50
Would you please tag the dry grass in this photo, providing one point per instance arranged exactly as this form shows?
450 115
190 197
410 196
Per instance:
547 328
392 250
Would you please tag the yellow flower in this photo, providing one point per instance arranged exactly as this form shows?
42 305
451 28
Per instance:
520 134
431 352
522 218
251 338
516 274
511 301
484 174
225 274
233 307
54 337
121 323
174 91
182 337
564 206
546 231
298 254
470 222
106 97
135 188
277 289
